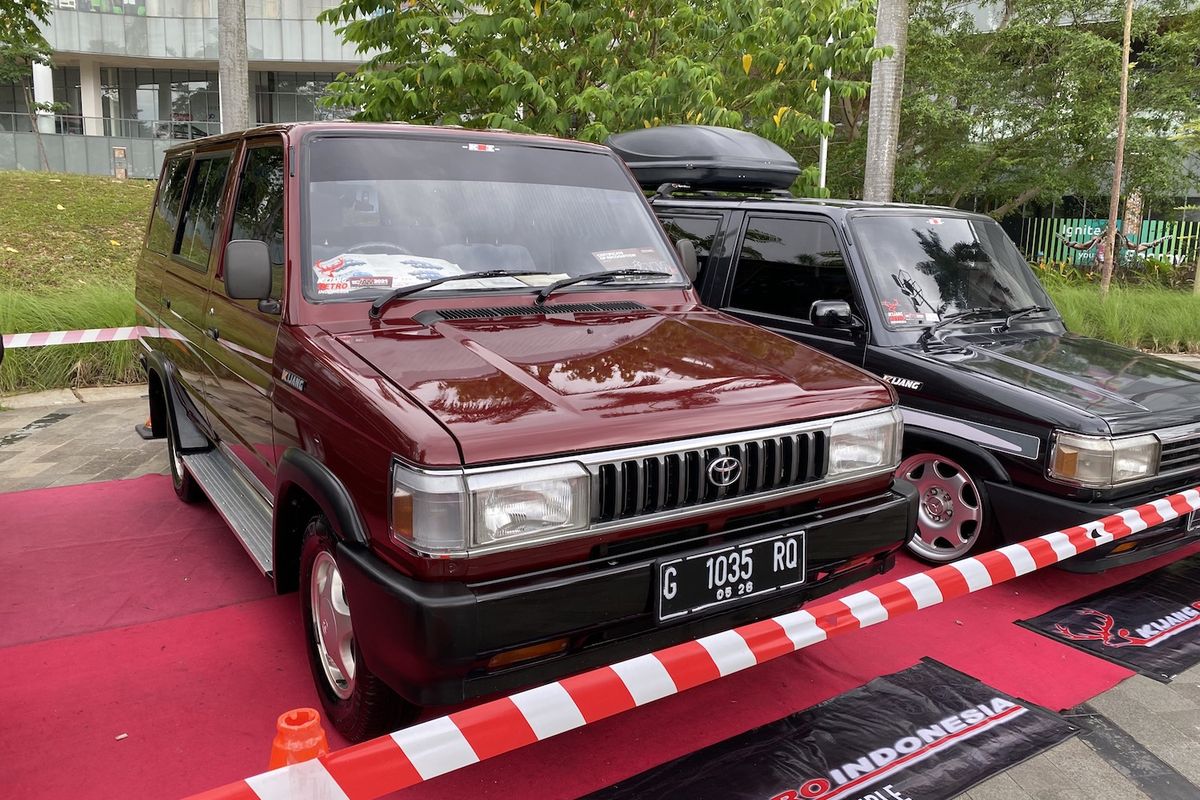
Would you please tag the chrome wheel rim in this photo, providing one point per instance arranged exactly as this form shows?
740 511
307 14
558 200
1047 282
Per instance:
176 459
332 629
949 511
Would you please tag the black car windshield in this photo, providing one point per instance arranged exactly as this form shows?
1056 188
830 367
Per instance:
925 268
384 212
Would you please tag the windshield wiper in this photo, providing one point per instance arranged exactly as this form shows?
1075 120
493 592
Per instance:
958 316
383 302
599 277
1017 313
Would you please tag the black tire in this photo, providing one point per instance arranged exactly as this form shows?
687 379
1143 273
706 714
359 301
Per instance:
362 707
185 485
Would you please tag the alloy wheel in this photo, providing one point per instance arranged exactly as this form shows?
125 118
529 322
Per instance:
950 510
332 628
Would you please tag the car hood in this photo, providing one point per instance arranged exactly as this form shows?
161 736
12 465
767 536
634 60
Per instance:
1125 388
525 386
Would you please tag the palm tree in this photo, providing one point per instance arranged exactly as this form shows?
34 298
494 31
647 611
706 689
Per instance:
887 89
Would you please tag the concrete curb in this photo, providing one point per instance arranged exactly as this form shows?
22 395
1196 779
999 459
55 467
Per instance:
63 397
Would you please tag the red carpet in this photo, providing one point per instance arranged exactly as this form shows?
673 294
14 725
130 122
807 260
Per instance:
207 659
95 556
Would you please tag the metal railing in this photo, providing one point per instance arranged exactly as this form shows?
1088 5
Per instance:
74 124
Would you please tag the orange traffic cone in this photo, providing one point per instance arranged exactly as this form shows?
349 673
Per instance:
299 737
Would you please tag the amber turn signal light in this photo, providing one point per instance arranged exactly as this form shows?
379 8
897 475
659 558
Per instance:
526 653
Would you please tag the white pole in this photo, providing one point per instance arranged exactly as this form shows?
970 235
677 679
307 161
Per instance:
824 157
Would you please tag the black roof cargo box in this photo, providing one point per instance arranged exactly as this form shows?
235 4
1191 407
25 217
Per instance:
704 157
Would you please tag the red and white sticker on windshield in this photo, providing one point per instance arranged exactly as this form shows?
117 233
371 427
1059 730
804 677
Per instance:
480 148
935 220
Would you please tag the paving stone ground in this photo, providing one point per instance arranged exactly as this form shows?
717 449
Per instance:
63 441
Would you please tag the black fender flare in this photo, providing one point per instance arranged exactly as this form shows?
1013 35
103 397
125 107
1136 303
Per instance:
300 469
188 436
916 438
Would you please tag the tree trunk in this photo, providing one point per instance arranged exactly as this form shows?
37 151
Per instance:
887 90
1018 201
1110 233
1196 279
37 131
1131 226
234 65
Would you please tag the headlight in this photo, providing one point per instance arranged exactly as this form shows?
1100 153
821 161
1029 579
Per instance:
1102 461
866 443
449 513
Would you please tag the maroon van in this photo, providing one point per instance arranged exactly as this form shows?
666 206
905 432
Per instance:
457 388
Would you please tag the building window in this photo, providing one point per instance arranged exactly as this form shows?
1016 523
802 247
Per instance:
293 97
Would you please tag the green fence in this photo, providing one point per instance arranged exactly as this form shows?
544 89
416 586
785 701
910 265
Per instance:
1042 239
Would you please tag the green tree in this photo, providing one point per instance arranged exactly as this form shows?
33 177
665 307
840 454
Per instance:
21 46
1024 106
588 69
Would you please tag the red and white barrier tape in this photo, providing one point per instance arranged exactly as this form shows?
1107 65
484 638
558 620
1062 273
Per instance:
424 751
45 338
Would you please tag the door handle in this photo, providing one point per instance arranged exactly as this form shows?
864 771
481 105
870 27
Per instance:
166 301
212 333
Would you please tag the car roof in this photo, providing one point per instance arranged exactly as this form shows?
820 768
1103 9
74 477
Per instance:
295 131
783 203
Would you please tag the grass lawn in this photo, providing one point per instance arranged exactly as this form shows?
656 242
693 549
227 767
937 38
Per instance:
68 246
1161 320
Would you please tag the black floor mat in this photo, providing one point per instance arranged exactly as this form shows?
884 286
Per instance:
1150 624
928 731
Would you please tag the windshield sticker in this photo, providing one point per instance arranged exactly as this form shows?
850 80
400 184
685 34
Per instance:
890 305
480 148
897 317
935 221
350 272
632 258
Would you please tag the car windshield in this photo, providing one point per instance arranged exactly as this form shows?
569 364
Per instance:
386 212
925 268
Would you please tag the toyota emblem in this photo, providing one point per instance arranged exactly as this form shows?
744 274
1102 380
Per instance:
724 471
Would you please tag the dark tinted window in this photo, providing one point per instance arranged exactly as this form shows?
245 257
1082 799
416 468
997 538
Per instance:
166 210
701 230
786 264
202 212
258 212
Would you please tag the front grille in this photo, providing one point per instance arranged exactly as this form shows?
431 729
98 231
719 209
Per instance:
665 482
1182 454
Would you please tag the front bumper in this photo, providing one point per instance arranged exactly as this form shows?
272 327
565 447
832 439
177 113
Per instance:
1021 514
431 641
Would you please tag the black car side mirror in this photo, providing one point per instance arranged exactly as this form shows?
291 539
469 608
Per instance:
832 314
247 270
687 255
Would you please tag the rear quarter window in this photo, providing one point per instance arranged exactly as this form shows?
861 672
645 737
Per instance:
165 214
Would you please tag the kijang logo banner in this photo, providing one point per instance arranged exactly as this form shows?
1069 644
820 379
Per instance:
926 733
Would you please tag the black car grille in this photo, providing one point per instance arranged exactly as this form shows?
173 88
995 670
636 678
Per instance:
632 487
1180 455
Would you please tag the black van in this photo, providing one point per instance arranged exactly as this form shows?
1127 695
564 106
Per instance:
1014 426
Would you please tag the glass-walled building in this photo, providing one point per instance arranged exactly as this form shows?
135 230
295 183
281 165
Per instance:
147 69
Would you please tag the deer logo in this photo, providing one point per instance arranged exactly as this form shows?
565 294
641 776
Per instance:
1104 630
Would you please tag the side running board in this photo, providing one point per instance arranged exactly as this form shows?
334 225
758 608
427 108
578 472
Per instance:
241 506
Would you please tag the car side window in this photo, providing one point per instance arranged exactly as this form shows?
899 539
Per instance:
258 211
786 264
166 209
202 210
700 230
